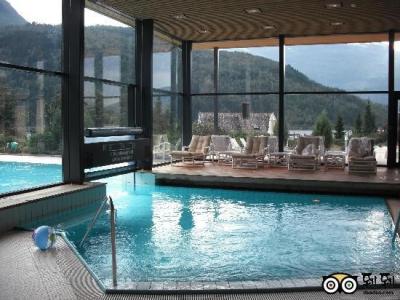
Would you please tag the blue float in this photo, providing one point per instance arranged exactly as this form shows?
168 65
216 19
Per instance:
44 237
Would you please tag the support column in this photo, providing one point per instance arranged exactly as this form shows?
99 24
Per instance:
147 84
216 89
392 107
138 65
187 97
72 90
281 120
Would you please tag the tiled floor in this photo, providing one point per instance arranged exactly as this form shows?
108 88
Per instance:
28 273
386 181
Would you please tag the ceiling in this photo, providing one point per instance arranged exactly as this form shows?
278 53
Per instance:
224 20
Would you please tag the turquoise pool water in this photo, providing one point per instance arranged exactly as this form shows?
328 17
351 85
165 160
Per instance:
181 234
20 176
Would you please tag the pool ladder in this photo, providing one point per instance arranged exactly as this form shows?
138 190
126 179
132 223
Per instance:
396 228
112 226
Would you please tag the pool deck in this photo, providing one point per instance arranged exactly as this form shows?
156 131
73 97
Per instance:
385 183
28 273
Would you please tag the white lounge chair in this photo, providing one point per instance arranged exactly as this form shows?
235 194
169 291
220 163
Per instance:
161 147
219 144
253 154
308 153
195 153
360 156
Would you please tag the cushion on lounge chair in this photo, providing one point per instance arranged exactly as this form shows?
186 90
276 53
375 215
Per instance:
220 142
199 143
308 150
360 147
255 145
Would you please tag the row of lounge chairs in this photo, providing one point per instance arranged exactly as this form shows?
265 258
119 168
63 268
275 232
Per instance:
309 153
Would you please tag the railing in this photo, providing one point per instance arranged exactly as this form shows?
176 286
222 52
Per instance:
113 243
396 228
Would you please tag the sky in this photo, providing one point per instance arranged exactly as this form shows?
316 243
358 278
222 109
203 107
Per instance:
49 12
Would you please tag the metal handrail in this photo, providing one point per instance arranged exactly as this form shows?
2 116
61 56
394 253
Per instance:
113 246
113 243
93 221
396 228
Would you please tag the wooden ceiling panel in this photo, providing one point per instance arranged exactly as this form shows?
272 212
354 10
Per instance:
227 19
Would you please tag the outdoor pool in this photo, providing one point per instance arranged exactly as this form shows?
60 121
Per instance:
200 234
15 176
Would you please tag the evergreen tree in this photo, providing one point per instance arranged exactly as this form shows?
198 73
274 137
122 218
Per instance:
357 128
339 128
323 127
368 127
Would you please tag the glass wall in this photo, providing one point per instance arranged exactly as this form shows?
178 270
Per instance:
249 70
337 117
109 69
359 67
235 109
30 102
167 98
203 71
346 67
344 87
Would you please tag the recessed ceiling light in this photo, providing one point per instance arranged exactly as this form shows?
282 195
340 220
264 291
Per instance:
252 11
334 5
336 24
353 5
203 30
268 27
180 17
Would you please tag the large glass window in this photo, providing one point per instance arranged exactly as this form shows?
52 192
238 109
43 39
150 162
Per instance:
30 33
109 69
249 70
203 71
348 67
167 127
30 130
105 105
337 117
167 98
109 48
167 65
30 102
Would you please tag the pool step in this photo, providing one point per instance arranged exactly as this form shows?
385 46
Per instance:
28 207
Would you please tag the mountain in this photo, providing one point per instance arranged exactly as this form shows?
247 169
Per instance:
9 16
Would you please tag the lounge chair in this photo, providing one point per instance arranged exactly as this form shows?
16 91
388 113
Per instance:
308 153
235 145
221 148
253 154
360 156
161 148
243 142
195 153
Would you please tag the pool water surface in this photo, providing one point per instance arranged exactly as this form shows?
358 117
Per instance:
199 234
15 176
